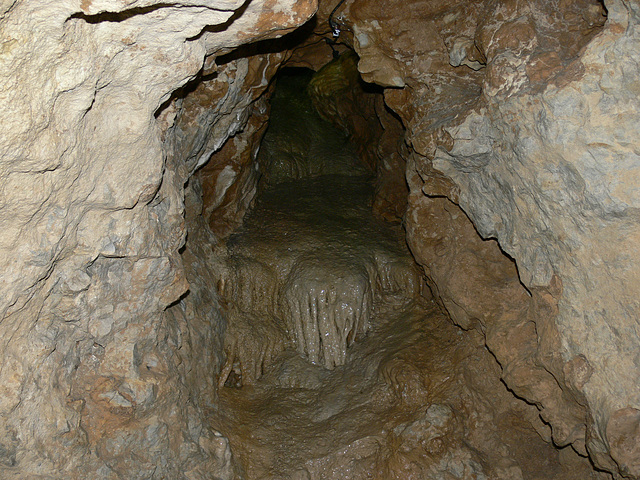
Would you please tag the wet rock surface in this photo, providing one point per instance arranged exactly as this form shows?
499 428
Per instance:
341 96
310 255
521 114
417 398
132 126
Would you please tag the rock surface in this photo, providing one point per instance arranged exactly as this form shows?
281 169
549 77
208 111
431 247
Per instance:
521 125
417 398
339 95
336 367
310 259
525 114
96 380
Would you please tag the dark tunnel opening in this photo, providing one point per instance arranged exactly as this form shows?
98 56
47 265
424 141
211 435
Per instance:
340 354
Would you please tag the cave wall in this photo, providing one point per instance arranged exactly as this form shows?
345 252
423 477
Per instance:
341 97
521 125
96 379
525 116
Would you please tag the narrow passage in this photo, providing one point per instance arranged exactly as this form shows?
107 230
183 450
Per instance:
340 365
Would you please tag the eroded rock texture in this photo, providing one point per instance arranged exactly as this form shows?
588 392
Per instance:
340 95
310 260
336 366
97 381
313 266
521 125
417 398
525 114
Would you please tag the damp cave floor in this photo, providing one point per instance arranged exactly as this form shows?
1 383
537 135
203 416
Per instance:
413 396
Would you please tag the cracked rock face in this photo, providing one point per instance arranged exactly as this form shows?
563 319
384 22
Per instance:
92 219
521 125
336 366
525 114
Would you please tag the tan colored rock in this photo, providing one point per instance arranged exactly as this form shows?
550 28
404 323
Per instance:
481 290
522 113
560 207
230 179
91 222
217 131
536 149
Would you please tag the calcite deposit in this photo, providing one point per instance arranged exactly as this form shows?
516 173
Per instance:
310 260
338 363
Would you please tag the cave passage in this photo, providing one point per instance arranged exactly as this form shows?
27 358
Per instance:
339 364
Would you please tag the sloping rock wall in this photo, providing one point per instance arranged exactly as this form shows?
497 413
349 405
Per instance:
525 114
94 376
522 121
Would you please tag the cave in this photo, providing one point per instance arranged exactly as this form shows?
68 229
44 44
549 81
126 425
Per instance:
311 239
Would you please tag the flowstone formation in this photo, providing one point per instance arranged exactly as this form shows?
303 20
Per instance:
339 363
129 146
311 260
416 399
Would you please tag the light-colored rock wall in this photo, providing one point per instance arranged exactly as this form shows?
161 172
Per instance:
554 177
93 376
526 115
523 113
560 194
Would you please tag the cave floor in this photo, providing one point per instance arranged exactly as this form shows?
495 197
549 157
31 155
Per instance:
342 423
413 397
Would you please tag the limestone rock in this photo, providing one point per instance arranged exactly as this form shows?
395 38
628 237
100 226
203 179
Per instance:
305 271
554 191
525 114
340 96
92 221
